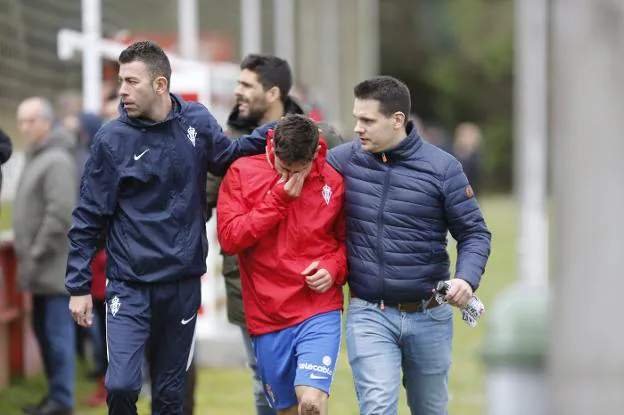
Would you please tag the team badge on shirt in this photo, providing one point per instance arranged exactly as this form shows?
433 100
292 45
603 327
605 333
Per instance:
327 193
191 133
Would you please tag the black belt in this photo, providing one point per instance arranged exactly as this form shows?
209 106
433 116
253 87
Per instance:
416 307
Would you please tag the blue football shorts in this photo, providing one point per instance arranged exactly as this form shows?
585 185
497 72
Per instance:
301 355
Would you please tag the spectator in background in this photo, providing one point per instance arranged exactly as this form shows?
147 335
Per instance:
68 107
88 125
68 110
110 105
83 128
42 211
467 149
69 103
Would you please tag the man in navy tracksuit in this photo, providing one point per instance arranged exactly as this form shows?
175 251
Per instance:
143 192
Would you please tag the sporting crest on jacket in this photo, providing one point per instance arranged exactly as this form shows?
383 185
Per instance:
327 193
114 305
191 133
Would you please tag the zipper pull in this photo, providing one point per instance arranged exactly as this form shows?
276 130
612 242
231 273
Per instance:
382 305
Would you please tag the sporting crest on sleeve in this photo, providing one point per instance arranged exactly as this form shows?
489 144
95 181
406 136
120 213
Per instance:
327 193
191 133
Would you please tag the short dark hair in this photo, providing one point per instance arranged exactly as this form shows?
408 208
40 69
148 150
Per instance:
152 55
392 94
271 71
296 138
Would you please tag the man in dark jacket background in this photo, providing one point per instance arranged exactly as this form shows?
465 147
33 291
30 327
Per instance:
403 196
261 97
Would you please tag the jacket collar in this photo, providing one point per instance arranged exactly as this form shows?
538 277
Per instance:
178 107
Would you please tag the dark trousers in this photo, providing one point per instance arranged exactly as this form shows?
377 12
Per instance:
191 381
163 313
189 396
55 333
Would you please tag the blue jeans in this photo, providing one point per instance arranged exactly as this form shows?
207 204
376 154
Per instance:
381 343
262 406
55 332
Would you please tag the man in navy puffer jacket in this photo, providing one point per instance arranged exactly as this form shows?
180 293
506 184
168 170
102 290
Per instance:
144 192
402 197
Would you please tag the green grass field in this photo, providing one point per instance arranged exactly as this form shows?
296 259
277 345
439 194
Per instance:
228 392
5 216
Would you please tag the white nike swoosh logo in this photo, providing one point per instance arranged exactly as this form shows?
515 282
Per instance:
140 155
313 376
185 322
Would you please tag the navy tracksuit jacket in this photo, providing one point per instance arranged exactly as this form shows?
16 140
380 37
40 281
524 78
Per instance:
143 189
